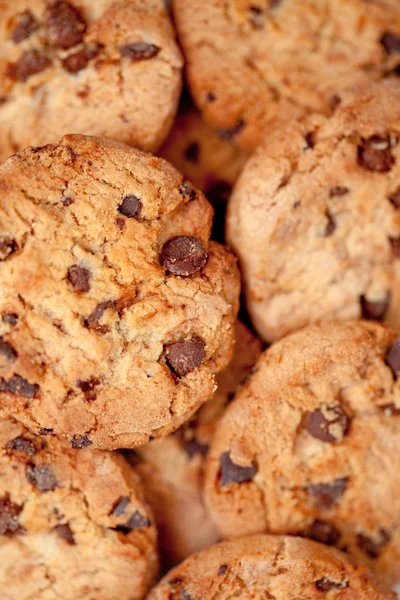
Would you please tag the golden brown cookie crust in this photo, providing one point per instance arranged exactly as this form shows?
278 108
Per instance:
116 311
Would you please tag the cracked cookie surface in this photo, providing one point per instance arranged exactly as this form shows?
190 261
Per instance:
308 445
315 220
269 567
172 468
115 310
252 64
101 68
73 523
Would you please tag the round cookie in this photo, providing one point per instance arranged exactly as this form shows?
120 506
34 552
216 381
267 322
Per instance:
315 217
264 566
309 445
252 64
115 310
172 468
73 524
107 68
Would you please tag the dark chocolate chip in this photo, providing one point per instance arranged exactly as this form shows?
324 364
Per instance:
88 388
229 134
139 51
232 473
119 506
375 310
187 191
25 25
329 424
310 139
63 25
326 494
92 321
394 198
185 356
65 533
130 207
338 190
10 319
137 521
78 442
66 201
31 63
391 42
21 444
373 547
374 154
79 278
210 97
192 152
7 247
19 385
41 477
392 357
183 255
9 513
324 532
331 224
222 570
7 350
192 447
77 61
45 431
325 584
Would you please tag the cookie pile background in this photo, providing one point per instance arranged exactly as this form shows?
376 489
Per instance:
199 298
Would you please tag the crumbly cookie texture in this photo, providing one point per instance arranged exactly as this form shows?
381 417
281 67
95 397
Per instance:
107 68
172 468
206 158
115 310
315 217
260 567
73 523
253 64
308 446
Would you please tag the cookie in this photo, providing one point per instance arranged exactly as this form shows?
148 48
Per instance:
252 64
105 68
115 310
315 217
308 446
172 468
264 566
73 524
211 162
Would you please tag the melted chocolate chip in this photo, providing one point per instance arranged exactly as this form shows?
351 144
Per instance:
120 506
229 134
64 26
373 547
187 191
192 447
185 356
21 444
79 278
7 350
192 152
329 424
78 442
232 473
31 63
10 319
391 42
65 533
338 190
19 385
183 255
222 570
139 51
88 388
79 60
45 431
7 247
25 25
324 532
41 477
9 513
137 521
394 198
374 154
375 310
392 357
325 584
310 139
92 322
326 494
130 207
331 224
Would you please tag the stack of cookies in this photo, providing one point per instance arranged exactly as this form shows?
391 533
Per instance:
199 299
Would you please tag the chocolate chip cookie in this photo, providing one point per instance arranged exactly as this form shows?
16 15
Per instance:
73 523
259 567
308 446
101 68
315 217
172 468
253 64
115 310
